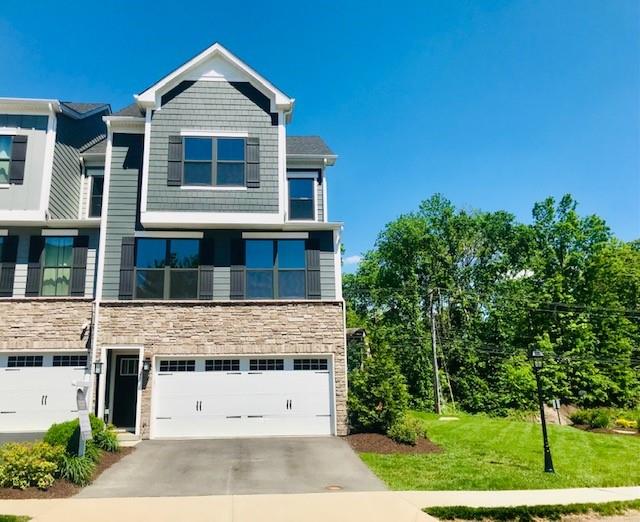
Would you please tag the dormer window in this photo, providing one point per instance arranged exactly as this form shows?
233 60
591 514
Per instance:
210 161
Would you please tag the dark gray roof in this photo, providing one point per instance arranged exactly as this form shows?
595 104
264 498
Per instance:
130 110
98 145
83 108
308 146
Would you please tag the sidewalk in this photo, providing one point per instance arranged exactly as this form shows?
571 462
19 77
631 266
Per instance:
379 506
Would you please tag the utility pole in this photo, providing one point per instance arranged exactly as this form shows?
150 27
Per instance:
436 376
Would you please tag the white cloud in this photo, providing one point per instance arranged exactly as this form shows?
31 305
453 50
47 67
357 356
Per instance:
352 260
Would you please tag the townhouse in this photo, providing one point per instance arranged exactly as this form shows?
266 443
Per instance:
176 256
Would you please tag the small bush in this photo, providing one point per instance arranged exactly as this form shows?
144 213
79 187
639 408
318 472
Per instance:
407 430
78 470
92 451
378 395
626 423
67 434
29 464
107 440
594 418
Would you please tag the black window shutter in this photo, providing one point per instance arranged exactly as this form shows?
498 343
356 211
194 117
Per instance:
127 260
18 158
8 265
313 268
36 246
237 269
79 270
253 162
206 268
174 167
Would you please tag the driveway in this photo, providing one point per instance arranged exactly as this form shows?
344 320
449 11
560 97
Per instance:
235 467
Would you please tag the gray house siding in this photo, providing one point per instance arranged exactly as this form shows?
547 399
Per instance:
126 165
211 106
27 195
22 260
66 182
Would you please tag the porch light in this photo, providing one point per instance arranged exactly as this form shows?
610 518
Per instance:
537 357
97 367
146 365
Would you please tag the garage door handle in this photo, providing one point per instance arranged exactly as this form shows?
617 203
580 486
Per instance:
254 416
6 412
163 418
234 416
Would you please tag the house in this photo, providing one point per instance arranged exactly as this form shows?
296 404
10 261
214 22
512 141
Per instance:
177 256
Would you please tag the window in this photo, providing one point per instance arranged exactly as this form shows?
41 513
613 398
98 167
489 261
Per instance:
302 186
97 188
24 121
178 366
222 365
128 366
70 360
310 364
1 254
275 269
24 361
167 268
57 263
266 364
5 158
214 162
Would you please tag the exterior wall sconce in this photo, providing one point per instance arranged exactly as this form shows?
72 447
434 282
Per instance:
97 367
146 365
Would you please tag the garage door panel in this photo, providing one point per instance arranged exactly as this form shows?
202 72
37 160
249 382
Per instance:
243 404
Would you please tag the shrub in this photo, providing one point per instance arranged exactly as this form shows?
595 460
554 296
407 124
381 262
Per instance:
594 418
67 434
626 423
378 395
29 464
107 440
600 419
78 470
406 430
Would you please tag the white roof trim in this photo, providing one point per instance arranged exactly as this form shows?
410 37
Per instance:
36 104
151 96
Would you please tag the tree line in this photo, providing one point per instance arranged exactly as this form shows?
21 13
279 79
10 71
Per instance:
472 293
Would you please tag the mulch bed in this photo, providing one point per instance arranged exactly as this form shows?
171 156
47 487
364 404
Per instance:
63 488
377 443
608 431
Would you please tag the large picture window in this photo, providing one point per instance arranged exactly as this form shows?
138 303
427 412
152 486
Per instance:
214 162
57 264
275 269
167 268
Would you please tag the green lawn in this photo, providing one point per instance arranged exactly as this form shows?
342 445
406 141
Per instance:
13 518
483 453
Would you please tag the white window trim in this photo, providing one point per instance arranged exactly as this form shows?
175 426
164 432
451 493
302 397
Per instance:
168 234
52 232
275 235
213 134
212 188
302 175
89 193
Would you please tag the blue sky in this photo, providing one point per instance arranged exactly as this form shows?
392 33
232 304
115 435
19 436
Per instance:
495 104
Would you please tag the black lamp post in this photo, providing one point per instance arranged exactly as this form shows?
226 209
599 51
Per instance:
538 361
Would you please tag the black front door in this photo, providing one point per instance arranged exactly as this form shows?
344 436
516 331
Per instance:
125 393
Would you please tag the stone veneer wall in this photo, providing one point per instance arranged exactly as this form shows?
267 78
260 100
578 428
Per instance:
44 323
239 328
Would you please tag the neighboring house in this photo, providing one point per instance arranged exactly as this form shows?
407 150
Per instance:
217 309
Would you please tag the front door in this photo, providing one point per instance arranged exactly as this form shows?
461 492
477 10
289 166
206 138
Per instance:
125 393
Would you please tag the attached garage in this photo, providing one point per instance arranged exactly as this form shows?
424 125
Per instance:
242 397
36 389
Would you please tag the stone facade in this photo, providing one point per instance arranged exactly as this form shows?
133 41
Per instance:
228 328
44 323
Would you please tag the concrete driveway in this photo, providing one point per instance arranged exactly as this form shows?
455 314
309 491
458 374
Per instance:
235 467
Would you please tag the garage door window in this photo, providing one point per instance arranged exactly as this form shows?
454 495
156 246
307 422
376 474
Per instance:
266 364
69 360
310 364
178 366
24 361
222 365
167 268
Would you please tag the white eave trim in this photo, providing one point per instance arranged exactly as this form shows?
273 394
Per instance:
275 235
149 97
36 105
125 124
325 159
168 234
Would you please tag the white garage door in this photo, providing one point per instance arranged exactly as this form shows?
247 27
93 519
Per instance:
242 397
37 390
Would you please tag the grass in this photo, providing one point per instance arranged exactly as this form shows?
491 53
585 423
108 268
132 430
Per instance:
482 453
13 518
531 513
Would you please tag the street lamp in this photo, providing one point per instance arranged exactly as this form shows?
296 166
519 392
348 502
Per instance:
537 358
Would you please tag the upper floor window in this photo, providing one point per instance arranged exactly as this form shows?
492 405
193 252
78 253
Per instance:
302 201
5 158
96 178
275 269
167 268
214 162
56 266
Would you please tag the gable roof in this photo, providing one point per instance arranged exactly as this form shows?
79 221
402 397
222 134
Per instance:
225 63
130 110
80 110
307 146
